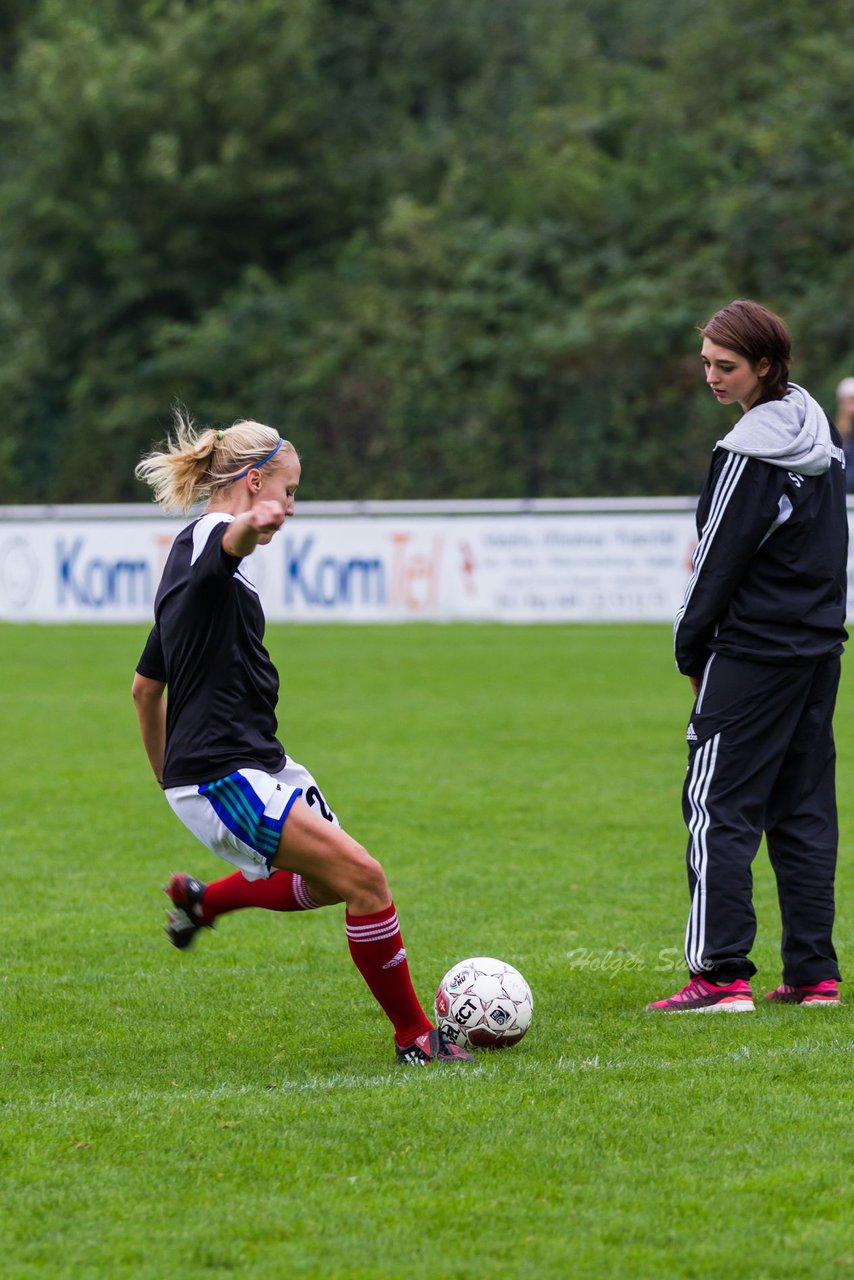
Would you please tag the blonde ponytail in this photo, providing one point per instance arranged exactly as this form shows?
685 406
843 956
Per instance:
195 462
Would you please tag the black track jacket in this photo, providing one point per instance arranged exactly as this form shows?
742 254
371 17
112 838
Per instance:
769 580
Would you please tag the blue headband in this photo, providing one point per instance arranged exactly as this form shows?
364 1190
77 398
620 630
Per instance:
255 465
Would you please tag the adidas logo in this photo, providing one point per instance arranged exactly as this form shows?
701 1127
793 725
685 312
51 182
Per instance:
691 734
396 959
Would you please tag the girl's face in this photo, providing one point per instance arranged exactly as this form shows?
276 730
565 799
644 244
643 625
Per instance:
732 378
280 482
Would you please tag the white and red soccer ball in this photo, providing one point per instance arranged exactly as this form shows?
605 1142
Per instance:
484 1004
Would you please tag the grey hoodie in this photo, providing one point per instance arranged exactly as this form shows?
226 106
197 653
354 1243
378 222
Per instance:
792 433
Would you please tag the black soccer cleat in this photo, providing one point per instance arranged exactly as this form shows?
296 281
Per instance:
185 921
432 1046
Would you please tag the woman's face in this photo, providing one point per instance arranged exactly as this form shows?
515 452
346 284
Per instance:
732 378
280 482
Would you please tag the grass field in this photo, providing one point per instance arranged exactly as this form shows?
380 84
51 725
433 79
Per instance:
235 1111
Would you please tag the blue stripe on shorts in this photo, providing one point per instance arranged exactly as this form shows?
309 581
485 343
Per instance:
241 810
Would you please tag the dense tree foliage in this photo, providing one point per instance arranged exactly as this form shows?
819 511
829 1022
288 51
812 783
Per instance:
447 248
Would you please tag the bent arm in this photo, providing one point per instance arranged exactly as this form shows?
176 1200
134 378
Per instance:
151 711
742 507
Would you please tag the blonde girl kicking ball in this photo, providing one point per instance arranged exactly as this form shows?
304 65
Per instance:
213 745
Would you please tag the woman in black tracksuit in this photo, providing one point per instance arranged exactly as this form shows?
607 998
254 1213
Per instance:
759 634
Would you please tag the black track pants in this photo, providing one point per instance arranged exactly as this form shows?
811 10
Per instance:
762 758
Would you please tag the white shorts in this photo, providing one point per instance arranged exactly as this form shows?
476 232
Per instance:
240 817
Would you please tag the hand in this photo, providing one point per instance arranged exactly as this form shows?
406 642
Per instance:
695 684
267 516
253 528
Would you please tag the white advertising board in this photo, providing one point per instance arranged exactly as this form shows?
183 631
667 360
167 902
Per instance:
579 566
517 568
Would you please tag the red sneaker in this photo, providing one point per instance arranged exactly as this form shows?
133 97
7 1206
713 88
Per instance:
701 996
826 992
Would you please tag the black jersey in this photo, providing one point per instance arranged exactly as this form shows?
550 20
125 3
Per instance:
770 571
207 645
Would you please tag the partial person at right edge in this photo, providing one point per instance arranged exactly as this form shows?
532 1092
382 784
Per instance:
759 635
845 427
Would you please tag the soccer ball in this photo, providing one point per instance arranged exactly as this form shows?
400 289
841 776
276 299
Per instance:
484 1004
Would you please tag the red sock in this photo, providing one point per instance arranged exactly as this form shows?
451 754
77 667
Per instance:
378 953
284 891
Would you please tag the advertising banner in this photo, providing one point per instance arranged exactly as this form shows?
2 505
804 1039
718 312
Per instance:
536 567
519 568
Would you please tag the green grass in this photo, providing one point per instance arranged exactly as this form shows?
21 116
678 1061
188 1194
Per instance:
235 1111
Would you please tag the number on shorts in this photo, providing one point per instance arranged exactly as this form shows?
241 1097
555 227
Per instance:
315 800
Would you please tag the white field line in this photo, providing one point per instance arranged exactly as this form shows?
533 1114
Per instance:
407 1078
